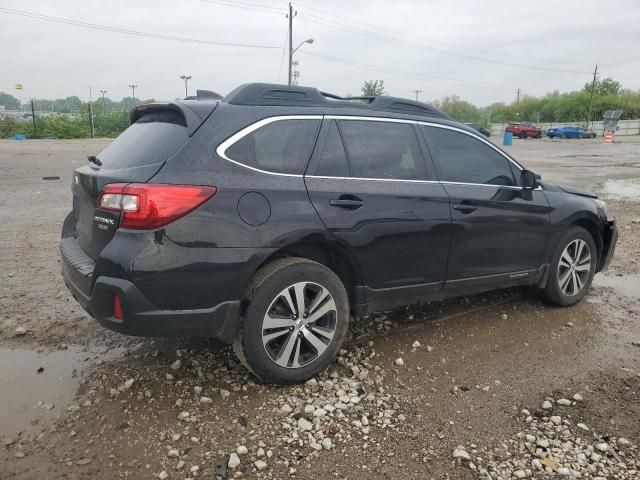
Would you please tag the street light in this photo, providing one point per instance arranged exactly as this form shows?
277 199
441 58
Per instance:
186 79
133 94
309 41
104 105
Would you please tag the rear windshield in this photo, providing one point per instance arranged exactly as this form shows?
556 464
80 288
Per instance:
154 138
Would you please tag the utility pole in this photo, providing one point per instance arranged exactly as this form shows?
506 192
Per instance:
186 79
33 116
104 104
417 92
133 94
593 87
518 96
290 42
91 112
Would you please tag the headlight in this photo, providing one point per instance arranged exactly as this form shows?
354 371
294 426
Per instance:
602 206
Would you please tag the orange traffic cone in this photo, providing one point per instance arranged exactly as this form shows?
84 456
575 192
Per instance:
608 137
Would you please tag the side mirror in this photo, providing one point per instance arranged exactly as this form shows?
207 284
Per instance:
529 180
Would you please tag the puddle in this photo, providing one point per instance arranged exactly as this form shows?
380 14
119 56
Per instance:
27 398
626 285
622 189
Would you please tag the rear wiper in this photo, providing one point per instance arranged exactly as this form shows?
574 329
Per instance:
94 159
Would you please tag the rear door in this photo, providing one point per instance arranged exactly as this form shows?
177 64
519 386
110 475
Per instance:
370 185
135 156
499 228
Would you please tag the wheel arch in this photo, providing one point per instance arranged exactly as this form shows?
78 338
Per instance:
591 226
333 256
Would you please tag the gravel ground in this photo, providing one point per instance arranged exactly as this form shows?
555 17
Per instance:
493 386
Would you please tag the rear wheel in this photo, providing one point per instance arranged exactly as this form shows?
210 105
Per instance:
522 135
572 268
296 317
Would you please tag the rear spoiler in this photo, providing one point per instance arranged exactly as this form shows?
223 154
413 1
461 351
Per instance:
194 112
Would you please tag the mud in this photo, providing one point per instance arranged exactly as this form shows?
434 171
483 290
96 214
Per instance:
490 355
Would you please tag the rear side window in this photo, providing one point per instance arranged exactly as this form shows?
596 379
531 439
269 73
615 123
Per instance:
382 149
154 138
333 159
462 158
283 146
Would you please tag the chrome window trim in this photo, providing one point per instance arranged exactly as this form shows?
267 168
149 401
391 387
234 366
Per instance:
222 148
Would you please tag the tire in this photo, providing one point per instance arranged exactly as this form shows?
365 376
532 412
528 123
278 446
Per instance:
289 352
564 294
563 136
539 135
593 135
522 135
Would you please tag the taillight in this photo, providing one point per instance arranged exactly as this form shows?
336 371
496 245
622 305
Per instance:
146 205
117 307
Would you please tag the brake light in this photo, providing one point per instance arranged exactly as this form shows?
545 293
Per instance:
147 206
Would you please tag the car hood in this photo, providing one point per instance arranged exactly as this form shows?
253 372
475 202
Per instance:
572 190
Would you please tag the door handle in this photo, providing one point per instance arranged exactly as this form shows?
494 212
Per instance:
465 207
347 202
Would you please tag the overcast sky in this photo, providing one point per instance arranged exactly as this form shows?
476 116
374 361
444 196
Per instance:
455 47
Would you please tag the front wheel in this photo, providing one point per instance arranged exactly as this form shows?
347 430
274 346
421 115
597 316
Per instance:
572 268
295 318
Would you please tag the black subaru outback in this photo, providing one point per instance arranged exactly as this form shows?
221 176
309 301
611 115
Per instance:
267 218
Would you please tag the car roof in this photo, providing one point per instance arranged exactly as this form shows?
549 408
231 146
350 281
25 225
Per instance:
266 94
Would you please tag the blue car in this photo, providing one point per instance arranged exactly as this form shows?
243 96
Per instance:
570 132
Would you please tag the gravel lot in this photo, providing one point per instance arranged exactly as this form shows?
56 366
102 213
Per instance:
493 386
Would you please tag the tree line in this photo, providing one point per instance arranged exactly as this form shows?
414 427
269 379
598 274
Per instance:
110 118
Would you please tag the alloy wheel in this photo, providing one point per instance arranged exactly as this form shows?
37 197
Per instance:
299 324
574 267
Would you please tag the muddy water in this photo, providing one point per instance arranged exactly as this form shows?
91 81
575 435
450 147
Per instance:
38 386
622 189
625 285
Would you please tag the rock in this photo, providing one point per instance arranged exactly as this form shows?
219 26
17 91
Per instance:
416 344
260 465
197 390
183 415
460 452
304 424
7 442
326 443
504 316
320 412
180 465
224 393
205 400
429 348
556 420
399 361
285 409
234 461
520 474
577 397
176 365
20 331
309 409
582 426
623 442
602 447
564 472
564 402
530 438
173 453
128 384
547 405
242 450
83 461
163 475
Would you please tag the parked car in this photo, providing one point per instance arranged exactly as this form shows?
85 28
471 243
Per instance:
479 128
570 132
268 218
524 130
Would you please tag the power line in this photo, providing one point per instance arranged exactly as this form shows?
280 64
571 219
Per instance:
95 26
397 41
245 6
447 44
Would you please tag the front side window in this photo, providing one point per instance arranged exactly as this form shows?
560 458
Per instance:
382 149
282 146
462 158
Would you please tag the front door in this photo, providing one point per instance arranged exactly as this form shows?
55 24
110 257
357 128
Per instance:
368 182
500 229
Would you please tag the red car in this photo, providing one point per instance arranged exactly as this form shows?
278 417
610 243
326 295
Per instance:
524 130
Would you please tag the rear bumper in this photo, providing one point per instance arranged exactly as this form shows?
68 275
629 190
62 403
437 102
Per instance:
140 316
609 240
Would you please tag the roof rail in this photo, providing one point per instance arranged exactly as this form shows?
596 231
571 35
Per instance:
284 95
